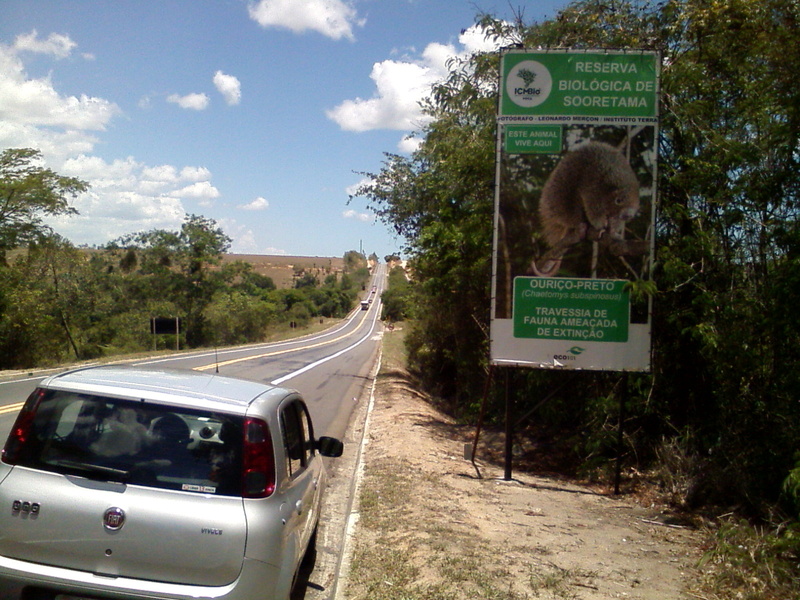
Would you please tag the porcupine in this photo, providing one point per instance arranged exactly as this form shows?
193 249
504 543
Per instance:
591 194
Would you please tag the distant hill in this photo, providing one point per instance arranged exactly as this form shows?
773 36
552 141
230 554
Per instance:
283 269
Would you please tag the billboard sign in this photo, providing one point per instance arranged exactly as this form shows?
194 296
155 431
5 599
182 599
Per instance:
574 209
553 308
579 84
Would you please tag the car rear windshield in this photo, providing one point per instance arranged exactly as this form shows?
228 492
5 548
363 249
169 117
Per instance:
136 443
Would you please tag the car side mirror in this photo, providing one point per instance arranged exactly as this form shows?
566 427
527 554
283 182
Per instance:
329 446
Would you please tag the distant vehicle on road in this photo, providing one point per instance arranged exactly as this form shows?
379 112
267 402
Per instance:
365 305
120 482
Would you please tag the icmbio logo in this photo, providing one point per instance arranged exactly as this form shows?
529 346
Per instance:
529 83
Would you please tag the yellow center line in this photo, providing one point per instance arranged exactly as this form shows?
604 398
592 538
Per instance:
10 408
277 352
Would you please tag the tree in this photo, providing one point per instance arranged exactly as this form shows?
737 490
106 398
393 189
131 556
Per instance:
237 318
353 261
177 264
28 192
729 190
54 299
309 280
395 299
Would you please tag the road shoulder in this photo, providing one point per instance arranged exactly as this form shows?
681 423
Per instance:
428 527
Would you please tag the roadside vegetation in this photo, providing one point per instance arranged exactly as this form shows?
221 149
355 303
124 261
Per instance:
714 428
396 298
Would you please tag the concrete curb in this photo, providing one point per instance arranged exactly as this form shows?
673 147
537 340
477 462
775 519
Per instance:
351 520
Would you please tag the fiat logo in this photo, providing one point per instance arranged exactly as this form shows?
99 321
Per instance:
114 519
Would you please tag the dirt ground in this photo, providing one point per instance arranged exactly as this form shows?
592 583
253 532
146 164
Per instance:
428 524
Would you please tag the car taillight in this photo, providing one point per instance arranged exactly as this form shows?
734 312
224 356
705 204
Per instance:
21 431
258 479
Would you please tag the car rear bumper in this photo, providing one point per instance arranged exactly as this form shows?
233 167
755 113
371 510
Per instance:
256 579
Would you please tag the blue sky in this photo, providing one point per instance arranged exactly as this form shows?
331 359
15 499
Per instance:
258 114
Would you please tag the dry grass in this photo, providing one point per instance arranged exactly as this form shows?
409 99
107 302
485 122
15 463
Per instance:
282 269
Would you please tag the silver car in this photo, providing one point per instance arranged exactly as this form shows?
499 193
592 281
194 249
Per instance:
129 483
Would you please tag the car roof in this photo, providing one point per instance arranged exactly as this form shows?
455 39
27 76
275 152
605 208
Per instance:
174 386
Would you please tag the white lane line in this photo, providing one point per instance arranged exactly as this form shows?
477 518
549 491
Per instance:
310 366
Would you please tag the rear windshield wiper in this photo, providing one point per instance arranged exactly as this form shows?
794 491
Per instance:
98 472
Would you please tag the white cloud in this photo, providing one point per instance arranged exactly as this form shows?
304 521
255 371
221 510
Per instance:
111 214
475 39
125 196
200 190
57 45
400 86
190 101
161 174
195 174
157 179
33 114
119 172
56 145
409 144
28 102
229 86
352 190
354 214
257 204
332 18
243 240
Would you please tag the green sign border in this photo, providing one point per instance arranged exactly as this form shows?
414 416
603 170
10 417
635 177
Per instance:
579 84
